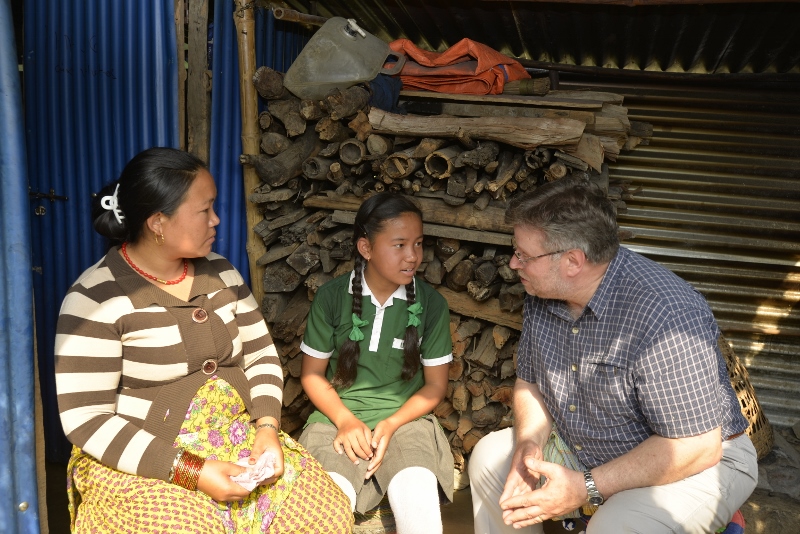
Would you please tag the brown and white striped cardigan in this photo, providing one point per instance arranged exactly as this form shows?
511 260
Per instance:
129 359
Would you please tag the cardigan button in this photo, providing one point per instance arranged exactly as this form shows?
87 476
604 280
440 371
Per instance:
209 366
199 315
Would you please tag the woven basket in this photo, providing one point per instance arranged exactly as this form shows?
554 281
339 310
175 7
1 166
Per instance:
760 431
379 520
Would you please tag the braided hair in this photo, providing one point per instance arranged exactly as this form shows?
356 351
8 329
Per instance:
370 220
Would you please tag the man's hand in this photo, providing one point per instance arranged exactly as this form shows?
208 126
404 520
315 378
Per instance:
521 481
563 491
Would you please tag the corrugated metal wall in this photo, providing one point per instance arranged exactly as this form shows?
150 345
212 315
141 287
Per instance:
277 45
100 86
720 206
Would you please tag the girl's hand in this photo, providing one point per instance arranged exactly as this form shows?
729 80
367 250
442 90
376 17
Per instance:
353 438
215 481
380 442
267 441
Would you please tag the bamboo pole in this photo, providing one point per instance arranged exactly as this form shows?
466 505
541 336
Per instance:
244 20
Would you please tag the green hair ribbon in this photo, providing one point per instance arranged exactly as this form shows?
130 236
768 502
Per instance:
413 314
356 334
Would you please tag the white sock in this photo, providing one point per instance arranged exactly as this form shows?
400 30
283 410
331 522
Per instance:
347 488
414 498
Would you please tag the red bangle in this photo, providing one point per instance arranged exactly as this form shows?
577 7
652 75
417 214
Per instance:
187 470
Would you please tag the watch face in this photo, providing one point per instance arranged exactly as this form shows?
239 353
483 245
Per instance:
597 501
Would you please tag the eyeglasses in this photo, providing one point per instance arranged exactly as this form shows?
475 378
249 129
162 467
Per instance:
523 259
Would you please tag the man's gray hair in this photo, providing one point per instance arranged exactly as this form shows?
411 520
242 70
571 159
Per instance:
572 213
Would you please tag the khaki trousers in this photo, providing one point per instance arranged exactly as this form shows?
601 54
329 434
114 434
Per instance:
699 504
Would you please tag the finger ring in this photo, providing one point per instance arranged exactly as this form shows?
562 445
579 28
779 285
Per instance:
541 520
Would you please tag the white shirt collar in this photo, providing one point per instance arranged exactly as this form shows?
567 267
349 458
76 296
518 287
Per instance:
399 293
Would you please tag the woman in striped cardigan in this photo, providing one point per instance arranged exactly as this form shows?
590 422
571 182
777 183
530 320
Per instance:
168 382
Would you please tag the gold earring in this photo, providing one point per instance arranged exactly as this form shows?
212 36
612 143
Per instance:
159 236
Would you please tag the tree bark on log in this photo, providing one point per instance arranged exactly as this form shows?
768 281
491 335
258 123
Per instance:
520 132
286 165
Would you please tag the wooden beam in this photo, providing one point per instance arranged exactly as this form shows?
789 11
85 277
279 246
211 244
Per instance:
438 230
460 302
245 23
520 100
198 96
180 42
433 211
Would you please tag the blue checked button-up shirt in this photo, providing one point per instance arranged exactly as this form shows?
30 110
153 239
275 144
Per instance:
641 360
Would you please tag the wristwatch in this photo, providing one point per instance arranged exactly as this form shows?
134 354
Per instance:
595 497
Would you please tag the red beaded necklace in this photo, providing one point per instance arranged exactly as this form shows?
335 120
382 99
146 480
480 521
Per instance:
150 276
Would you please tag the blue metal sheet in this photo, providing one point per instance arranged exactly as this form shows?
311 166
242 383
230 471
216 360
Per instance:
19 503
100 85
277 45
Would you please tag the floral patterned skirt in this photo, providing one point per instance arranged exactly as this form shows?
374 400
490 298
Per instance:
217 426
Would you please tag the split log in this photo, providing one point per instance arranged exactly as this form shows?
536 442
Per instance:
480 292
269 83
281 278
434 271
512 297
311 110
286 165
331 130
485 273
460 276
571 161
508 165
275 195
346 103
288 112
451 262
520 132
479 157
286 327
457 185
529 86
277 253
273 305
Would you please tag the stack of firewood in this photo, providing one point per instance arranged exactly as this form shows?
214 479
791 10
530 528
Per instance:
322 158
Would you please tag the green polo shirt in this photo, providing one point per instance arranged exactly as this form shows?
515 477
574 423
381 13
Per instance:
378 390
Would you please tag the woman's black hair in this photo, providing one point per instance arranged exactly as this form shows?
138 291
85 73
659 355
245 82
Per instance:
155 180
370 220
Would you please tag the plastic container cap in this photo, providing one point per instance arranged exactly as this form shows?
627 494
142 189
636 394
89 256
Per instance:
339 55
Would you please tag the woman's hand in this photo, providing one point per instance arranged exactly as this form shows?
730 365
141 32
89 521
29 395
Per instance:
267 441
354 439
380 442
215 481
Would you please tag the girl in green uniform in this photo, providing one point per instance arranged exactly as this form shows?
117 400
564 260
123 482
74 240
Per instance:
376 357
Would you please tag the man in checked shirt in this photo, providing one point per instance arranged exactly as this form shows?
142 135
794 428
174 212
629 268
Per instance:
618 365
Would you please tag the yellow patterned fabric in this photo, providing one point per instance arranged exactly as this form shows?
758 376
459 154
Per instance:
217 426
556 451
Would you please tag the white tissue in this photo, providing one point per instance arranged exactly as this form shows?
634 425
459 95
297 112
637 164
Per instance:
261 470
